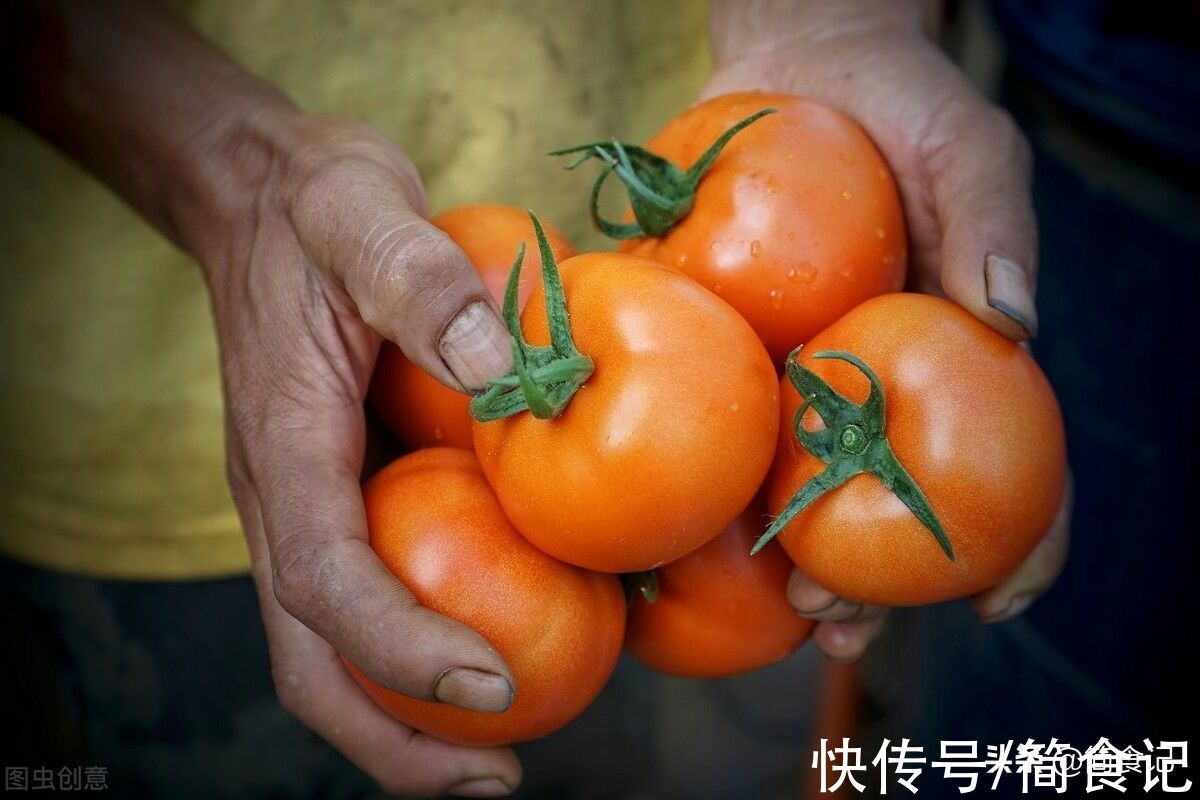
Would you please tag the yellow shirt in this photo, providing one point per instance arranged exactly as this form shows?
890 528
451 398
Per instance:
111 443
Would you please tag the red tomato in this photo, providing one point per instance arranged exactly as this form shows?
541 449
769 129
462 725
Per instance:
797 221
437 526
719 611
972 421
419 410
668 439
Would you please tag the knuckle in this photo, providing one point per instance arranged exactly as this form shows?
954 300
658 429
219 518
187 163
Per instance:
292 693
295 577
408 268
326 184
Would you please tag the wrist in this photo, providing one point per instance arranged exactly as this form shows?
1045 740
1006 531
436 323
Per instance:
741 30
224 170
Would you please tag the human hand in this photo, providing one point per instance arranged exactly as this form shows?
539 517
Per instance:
312 237
963 170
330 253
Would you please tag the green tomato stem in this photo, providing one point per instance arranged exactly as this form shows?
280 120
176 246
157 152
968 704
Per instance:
543 379
660 193
852 442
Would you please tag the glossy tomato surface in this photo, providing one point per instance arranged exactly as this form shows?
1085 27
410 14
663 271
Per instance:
797 222
435 523
719 610
664 444
419 410
972 419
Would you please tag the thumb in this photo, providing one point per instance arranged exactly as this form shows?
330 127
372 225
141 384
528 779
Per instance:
410 282
980 179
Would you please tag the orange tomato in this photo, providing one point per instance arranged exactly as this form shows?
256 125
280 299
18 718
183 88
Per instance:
667 440
797 221
419 410
435 523
719 611
972 420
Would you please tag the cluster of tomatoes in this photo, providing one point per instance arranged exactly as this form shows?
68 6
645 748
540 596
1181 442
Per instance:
908 455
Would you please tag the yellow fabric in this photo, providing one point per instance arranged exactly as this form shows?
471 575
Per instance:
111 443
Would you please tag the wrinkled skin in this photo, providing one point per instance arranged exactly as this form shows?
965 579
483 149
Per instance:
436 525
963 171
419 410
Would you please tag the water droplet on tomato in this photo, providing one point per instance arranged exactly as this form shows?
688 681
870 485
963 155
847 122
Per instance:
805 274
846 194
776 298
880 233
681 259
756 248
791 237
733 406
439 434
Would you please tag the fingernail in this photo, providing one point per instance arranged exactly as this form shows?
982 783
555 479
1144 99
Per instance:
1015 608
480 787
476 346
1008 292
474 689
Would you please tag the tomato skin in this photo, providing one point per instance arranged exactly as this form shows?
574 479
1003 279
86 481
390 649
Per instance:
419 410
664 444
797 222
973 420
719 610
435 523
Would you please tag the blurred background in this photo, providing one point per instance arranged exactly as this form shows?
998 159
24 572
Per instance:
109 672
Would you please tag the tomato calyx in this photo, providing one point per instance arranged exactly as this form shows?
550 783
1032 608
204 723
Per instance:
543 379
643 583
853 441
660 193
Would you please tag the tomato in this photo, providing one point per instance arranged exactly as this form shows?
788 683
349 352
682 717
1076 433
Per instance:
719 611
437 526
973 424
419 410
666 441
797 221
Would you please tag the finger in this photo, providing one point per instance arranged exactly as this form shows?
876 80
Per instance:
814 601
980 177
315 687
302 467
846 641
409 281
1035 576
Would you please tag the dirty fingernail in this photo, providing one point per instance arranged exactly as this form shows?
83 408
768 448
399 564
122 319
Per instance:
476 346
480 787
474 689
1009 292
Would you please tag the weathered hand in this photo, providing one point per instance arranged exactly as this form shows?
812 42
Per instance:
963 169
333 252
